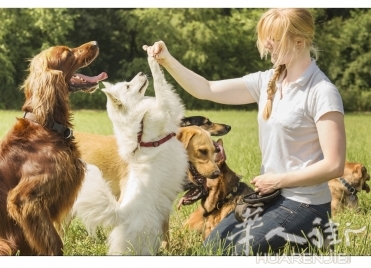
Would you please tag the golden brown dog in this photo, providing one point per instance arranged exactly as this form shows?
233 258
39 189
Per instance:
101 150
222 195
344 190
40 168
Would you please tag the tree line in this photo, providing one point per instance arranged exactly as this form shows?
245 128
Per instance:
217 43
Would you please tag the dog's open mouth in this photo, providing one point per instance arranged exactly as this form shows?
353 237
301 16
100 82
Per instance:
194 194
195 190
80 82
143 86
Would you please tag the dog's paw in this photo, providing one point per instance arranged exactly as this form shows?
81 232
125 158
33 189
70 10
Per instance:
156 69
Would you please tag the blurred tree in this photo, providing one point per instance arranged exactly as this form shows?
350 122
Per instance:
217 43
105 26
24 33
346 55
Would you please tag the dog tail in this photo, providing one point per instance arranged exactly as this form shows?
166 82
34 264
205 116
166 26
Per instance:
95 204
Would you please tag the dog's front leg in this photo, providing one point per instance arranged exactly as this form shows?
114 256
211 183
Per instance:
157 73
166 98
163 90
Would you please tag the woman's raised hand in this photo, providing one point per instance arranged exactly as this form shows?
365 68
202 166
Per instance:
158 50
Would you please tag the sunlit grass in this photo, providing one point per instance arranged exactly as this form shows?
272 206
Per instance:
243 156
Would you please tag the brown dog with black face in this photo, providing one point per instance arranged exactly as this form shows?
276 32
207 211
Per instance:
344 190
215 129
220 198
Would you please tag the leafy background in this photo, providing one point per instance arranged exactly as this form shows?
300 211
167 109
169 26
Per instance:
217 43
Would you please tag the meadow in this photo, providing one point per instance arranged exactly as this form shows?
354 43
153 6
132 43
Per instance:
243 156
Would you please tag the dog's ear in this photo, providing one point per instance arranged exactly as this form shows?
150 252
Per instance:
185 122
106 85
366 187
112 97
108 93
363 170
220 155
185 136
220 142
207 121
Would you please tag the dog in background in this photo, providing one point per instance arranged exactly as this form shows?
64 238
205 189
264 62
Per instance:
215 129
344 190
40 167
157 162
220 198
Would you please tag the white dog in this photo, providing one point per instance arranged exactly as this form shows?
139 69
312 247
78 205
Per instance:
144 128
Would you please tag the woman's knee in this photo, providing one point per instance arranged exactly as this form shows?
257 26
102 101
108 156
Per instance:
281 224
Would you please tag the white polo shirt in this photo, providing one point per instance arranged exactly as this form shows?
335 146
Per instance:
288 139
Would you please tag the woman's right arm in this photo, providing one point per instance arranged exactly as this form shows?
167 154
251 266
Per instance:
230 91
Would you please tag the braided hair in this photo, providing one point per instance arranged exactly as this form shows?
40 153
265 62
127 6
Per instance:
271 91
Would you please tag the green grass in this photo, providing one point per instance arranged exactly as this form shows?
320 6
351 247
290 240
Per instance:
243 154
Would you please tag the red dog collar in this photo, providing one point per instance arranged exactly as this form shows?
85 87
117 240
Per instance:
157 143
153 143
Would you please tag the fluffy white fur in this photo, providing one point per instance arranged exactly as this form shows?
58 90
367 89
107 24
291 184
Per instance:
104 209
155 173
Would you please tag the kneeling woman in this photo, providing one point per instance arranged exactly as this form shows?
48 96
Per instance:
301 135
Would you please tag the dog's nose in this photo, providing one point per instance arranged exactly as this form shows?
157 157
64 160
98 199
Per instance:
215 174
94 43
228 128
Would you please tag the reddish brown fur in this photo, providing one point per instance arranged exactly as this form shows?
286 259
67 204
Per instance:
40 170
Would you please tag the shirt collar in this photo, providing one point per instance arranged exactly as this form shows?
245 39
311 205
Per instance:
305 76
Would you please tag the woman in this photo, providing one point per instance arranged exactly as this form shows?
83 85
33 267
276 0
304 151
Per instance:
301 134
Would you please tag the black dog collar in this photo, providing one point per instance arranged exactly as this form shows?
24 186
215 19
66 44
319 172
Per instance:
221 202
351 189
61 129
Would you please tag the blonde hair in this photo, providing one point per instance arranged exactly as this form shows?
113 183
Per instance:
283 25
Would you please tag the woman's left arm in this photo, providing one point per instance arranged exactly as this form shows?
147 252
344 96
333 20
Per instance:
331 132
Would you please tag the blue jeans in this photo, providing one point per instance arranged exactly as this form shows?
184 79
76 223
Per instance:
282 222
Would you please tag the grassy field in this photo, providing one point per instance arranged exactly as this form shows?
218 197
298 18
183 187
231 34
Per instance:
243 155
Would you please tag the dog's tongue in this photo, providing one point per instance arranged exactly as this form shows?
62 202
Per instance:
193 195
93 79
190 197
181 201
